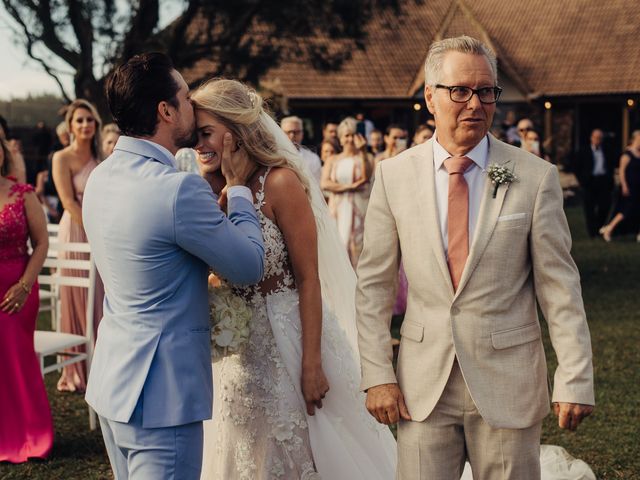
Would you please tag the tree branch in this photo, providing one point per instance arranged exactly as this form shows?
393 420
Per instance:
143 22
49 36
30 41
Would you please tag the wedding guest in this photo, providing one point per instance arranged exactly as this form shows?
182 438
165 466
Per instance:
45 187
328 148
110 135
42 140
71 169
509 129
376 142
524 125
26 428
18 167
294 129
595 174
628 207
330 131
62 135
364 126
423 133
531 143
395 141
346 178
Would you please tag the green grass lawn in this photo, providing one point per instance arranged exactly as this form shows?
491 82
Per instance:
609 440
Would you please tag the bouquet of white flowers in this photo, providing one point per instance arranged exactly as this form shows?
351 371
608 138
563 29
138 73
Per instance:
229 315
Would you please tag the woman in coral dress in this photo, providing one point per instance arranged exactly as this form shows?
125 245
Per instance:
26 429
71 169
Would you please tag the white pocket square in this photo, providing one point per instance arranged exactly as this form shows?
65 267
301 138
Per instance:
513 216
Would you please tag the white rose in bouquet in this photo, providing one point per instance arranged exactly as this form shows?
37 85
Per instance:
229 315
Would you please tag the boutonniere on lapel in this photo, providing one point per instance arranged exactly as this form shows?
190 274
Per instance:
500 175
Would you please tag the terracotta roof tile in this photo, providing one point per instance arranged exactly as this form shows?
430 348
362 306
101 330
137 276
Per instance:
573 47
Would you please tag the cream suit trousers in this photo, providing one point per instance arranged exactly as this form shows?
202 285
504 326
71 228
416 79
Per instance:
437 448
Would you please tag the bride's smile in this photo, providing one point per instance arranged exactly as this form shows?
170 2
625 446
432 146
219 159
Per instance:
210 134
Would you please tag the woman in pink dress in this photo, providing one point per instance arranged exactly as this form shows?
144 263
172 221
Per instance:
26 429
71 169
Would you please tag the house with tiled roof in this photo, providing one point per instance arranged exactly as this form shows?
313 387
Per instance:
572 65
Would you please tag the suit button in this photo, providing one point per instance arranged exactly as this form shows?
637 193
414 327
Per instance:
455 310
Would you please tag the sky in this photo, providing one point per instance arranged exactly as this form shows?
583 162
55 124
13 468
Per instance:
21 76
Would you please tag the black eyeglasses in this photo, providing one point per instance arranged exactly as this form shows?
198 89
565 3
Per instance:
461 94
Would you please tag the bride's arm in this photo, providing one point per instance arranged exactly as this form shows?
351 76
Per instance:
295 219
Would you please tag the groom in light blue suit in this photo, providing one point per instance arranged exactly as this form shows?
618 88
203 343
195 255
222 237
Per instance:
154 232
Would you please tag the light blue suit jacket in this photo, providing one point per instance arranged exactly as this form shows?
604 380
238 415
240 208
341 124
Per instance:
153 232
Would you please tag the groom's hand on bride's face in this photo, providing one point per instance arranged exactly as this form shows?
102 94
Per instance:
236 165
571 414
386 404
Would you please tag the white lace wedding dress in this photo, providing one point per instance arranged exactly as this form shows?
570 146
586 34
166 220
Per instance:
260 429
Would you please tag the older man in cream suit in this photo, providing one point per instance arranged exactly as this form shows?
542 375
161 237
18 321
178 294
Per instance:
471 382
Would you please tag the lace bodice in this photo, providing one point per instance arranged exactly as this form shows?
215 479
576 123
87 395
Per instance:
278 276
14 229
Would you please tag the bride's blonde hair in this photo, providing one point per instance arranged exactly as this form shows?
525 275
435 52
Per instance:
240 109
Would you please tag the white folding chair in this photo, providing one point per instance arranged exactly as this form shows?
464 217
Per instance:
53 343
49 296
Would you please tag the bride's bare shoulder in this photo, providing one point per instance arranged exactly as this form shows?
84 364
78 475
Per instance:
283 179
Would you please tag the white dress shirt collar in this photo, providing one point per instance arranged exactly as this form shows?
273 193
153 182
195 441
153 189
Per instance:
479 154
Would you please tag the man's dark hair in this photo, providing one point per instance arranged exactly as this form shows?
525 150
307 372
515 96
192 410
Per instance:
134 90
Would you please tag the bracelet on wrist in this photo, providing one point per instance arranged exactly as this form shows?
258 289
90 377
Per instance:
24 286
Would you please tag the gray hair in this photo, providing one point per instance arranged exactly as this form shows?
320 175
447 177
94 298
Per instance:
62 128
462 44
291 119
349 124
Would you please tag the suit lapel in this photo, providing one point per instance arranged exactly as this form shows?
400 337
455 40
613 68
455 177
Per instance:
426 188
487 218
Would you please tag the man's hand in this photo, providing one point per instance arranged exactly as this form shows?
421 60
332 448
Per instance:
236 165
571 414
386 403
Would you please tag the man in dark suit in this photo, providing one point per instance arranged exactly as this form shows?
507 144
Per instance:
595 173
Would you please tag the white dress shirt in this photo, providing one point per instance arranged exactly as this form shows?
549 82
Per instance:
599 167
313 163
475 177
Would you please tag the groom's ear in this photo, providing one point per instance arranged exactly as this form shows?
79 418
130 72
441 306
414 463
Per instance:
428 98
164 112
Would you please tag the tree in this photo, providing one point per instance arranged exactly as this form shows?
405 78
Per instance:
241 38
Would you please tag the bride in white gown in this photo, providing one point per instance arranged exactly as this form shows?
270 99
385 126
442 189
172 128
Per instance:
287 406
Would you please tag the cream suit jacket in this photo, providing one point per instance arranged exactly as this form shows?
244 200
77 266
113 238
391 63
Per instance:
520 253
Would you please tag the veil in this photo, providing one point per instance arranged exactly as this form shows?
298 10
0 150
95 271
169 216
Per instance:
337 278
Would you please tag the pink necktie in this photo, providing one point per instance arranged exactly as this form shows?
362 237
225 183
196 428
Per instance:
458 216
